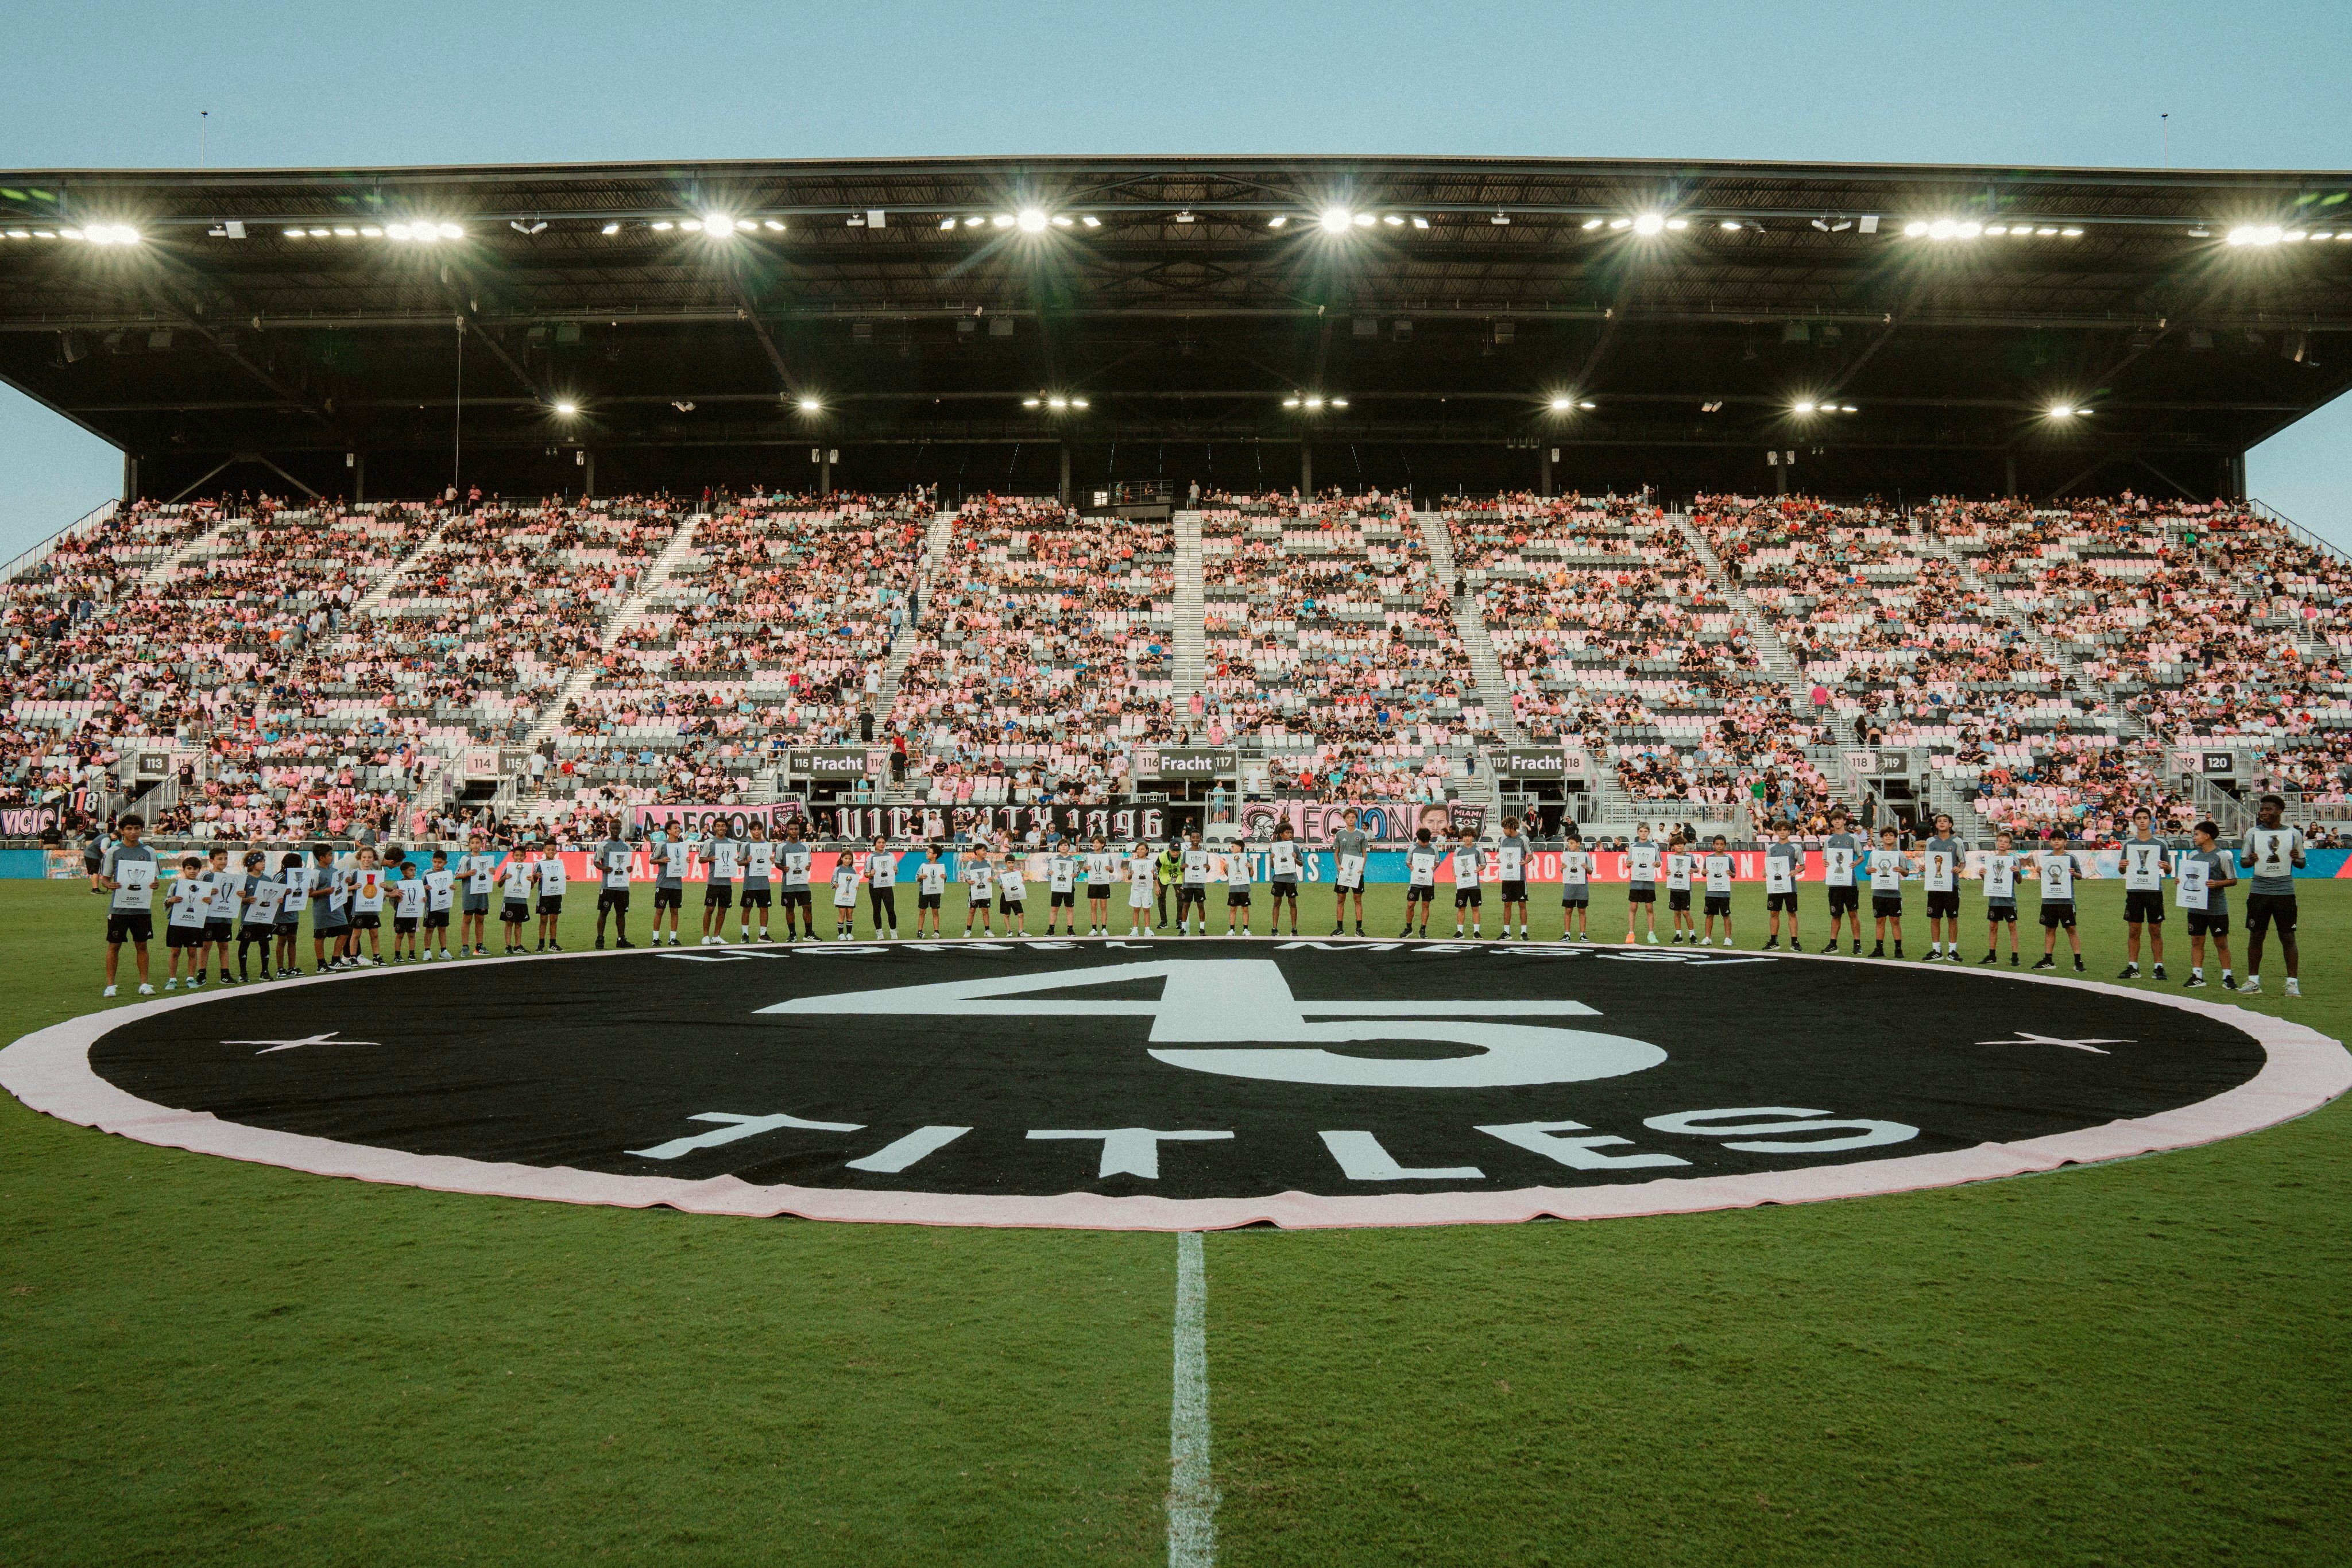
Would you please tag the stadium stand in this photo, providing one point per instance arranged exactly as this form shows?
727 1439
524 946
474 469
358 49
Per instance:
401 666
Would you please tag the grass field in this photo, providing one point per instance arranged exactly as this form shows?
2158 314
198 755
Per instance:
2135 1364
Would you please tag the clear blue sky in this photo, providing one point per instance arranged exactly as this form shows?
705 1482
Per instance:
121 85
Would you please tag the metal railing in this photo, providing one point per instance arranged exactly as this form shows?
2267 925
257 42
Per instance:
2264 510
25 560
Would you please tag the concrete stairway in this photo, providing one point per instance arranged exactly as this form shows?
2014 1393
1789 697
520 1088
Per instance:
1470 625
384 585
902 647
1191 641
161 574
1774 653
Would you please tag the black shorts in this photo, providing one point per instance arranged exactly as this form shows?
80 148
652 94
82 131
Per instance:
1514 893
2266 909
1944 904
1719 903
328 925
1575 894
1426 895
403 924
1469 898
1285 888
291 926
793 895
1642 894
215 930
184 936
248 933
2143 906
551 903
1065 899
477 904
1186 893
1844 900
437 920
1886 904
367 920
718 895
2208 923
927 901
762 897
1678 898
1777 902
612 898
516 911
1098 892
669 897
844 913
1236 897
2001 913
130 926
1009 906
2055 915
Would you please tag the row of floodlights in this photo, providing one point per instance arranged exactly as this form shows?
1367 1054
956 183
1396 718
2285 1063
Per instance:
2271 234
1971 228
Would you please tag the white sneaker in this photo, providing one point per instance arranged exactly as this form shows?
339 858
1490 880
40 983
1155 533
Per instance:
445 955
1707 941
107 992
1654 938
2253 987
173 984
2293 986
145 988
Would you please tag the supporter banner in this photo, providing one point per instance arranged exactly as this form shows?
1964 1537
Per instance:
837 762
1314 821
27 821
707 820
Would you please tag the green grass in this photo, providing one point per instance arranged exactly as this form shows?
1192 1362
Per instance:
2141 1363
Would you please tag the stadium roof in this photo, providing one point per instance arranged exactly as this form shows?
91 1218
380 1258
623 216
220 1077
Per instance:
1459 320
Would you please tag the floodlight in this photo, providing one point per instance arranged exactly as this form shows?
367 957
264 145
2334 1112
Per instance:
1967 229
1338 402
1501 219
1186 216
1592 223
1678 224
1420 222
1336 220
692 225
2071 233
1002 220
946 223
1091 221
1277 221
1648 224
810 406
113 234
566 407
1313 402
973 223
1363 220
1915 229
1031 402
611 229
1057 402
1290 403
371 232
1616 224
1729 225
451 231
773 225
2063 411
1995 230
1588 405
1394 221
1062 220
2045 233
1563 404
1848 408
1077 402
1803 408
663 225
318 233
1942 228
1031 221
343 233
397 231
718 225
69 233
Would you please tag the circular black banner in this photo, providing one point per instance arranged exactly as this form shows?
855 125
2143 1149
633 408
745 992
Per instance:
1183 1083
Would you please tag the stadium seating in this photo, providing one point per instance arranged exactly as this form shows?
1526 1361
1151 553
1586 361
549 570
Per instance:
328 668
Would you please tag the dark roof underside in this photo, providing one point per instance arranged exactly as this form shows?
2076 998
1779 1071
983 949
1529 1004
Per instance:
1185 318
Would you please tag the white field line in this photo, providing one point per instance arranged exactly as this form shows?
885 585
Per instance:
1192 1495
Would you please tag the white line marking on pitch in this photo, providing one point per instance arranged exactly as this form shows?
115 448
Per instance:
1192 1495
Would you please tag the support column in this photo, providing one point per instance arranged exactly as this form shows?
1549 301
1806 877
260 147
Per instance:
2236 470
359 478
825 473
130 478
1064 491
1548 452
1781 475
1305 469
2009 464
587 475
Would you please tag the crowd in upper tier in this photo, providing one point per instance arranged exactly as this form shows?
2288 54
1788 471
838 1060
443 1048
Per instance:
306 668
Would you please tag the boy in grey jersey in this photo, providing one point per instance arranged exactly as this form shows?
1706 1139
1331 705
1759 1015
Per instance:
129 871
2143 860
2270 854
1940 860
2203 879
1511 853
2001 898
1349 849
1841 859
612 889
1784 862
